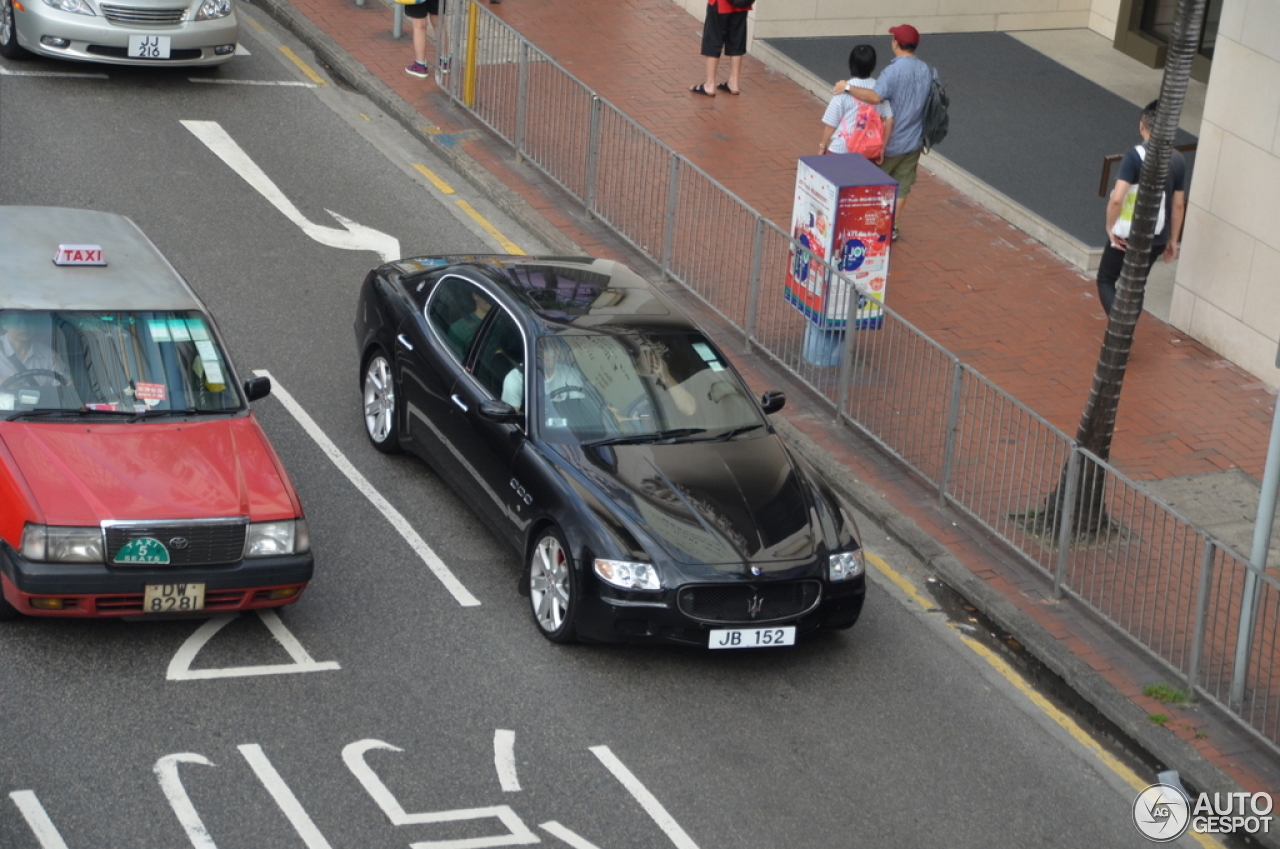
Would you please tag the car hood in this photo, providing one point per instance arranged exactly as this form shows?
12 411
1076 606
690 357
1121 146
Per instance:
83 474
716 503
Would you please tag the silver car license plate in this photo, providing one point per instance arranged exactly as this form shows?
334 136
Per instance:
148 47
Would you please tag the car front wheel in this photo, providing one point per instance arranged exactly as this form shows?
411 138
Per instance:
553 587
9 48
381 413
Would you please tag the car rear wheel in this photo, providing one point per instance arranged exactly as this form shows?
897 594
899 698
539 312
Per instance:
553 587
381 413
9 48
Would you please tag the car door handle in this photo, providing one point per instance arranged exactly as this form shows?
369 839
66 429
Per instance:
461 404
403 340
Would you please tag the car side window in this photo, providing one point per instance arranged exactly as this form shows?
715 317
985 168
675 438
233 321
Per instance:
457 310
499 363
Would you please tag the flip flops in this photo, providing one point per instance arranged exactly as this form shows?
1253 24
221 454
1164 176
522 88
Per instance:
725 87
701 88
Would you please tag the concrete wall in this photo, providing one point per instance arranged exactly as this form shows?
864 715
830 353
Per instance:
808 18
1228 285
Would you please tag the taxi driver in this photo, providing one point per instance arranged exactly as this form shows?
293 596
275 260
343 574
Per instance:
24 359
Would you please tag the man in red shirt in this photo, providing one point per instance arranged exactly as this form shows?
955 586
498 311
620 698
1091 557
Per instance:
725 30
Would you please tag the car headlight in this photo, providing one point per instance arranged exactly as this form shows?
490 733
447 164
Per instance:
47 544
628 576
78 7
211 10
845 565
272 539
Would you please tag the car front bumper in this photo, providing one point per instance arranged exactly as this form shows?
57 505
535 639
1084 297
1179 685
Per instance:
608 616
98 590
95 39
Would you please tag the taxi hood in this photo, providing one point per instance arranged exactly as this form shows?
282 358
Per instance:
81 474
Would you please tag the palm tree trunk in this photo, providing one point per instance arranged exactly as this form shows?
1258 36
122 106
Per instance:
1098 422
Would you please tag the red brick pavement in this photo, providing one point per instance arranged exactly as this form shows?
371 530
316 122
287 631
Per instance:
980 287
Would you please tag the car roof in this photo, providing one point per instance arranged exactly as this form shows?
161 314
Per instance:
571 292
136 275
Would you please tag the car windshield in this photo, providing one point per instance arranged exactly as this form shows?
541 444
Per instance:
597 387
112 362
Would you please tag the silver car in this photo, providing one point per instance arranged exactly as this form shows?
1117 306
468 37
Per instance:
122 32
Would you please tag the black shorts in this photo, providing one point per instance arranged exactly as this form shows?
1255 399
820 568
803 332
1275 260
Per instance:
421 10
724 32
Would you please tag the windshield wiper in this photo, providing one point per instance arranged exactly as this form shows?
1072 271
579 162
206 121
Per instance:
157 414
656 436
730 434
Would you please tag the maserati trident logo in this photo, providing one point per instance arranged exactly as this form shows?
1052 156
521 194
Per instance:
179 543
754 605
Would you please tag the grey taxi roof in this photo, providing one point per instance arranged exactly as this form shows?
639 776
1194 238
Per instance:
136 276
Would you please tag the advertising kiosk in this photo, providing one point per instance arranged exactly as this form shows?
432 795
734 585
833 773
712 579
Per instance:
843 214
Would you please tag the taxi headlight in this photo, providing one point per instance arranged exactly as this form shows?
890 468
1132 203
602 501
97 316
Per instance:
47 544
211 10
78 7
272 539
628 576
846 565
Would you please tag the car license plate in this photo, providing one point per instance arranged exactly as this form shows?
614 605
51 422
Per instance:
148 47
752 638
173 598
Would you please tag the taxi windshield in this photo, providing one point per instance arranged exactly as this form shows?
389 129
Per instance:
127 362
597 387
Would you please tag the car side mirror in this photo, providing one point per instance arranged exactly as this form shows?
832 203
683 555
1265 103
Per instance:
499 411
772 401
257 388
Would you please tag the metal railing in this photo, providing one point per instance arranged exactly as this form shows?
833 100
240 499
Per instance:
1170 587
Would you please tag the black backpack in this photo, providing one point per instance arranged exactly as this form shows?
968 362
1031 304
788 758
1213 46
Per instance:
936 120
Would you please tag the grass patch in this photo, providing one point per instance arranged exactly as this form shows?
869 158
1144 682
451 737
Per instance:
1158 718
1167 695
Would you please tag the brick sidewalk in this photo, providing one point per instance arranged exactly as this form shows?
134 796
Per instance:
978 286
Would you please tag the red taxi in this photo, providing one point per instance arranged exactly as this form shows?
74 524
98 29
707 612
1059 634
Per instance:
134 478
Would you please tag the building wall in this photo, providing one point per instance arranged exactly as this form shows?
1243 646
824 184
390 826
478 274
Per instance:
1228 285
809 18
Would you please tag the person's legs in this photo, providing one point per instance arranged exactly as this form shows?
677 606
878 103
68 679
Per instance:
1108 273
902 168
735 46
735 67
713 40
419 40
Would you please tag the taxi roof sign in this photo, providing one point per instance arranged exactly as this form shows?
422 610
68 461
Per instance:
79 255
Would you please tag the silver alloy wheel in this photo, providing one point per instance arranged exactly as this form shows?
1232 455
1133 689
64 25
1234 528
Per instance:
6 22
550 584
379 399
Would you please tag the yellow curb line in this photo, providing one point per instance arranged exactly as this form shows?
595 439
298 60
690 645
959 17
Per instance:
303 66
444 187
1020 684
507 245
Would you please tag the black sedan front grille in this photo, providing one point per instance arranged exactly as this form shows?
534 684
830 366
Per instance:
199 544
748 604
134 16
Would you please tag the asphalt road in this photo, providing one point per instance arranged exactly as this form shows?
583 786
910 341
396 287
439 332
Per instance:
380 711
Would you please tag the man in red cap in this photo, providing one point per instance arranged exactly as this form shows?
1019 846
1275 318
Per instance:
905 84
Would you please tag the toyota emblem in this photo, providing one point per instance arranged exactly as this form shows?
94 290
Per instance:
179 543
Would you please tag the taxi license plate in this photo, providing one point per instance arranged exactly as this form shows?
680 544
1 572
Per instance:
148 47
172 598
752 638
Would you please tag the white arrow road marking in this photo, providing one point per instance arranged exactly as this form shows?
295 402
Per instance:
394 516
180 667
166 770
651 805
34 813
555 829
284 797
356 237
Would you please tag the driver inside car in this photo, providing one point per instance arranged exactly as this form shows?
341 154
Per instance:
21 352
